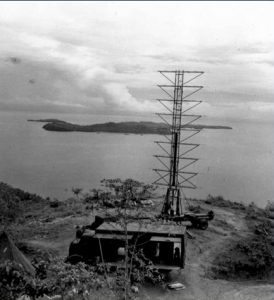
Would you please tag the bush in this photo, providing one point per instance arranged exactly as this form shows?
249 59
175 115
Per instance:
248 258
270 206
12 203
195 208
221 202
52 277
14 281
62 277
142 269
10 208
15 192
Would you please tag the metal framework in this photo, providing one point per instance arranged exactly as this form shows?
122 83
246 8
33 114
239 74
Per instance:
175 161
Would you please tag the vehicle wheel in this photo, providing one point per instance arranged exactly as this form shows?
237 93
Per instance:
74 259
210 215
203 224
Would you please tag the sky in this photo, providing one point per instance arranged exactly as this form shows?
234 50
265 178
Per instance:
103 57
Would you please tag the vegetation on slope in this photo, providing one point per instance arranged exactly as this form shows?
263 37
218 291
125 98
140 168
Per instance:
247 254
12 203
53 274
252 256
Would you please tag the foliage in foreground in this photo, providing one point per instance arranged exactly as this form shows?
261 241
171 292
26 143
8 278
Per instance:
55 277
13 280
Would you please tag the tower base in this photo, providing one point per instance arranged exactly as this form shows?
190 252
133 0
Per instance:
172 204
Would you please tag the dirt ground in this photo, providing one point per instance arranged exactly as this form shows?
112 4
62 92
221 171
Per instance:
228 226
53 229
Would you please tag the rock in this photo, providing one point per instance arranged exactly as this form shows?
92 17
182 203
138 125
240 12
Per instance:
176 286
134 289
146 202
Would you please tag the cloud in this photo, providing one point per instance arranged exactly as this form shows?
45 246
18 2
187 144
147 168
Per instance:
67 86
263 107
258 48
15 60
103 57
267 62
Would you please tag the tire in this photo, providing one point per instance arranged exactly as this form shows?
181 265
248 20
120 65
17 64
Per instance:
74 259
203 224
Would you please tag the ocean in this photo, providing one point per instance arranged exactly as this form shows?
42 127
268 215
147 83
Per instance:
237 164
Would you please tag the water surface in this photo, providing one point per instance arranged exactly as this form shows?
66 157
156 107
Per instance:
236 163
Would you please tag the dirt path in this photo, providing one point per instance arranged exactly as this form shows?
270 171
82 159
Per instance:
262 292
227 226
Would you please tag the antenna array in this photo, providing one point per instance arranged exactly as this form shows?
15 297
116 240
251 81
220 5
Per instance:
176 147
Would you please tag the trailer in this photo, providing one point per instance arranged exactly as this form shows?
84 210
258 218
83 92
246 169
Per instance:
162 244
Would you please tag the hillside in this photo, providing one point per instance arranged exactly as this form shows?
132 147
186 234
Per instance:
235 247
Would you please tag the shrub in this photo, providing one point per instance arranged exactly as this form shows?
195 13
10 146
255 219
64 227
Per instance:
195 208
52 277
10 208
14 281
221 202
248 258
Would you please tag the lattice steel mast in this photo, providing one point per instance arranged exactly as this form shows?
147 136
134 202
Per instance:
175 160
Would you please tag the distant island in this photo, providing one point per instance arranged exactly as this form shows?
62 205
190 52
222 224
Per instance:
121 127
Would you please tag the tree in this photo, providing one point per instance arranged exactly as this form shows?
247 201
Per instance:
128 193
10 208
77 192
